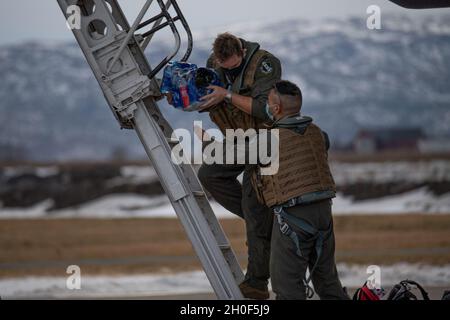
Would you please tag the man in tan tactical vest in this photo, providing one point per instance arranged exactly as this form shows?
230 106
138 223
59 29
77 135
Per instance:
248 74
300 196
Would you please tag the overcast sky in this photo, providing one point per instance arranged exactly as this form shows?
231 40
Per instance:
42 19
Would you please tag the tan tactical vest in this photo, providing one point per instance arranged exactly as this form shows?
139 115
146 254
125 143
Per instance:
226 115
303 168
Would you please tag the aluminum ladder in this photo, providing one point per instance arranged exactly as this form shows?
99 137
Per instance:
115 53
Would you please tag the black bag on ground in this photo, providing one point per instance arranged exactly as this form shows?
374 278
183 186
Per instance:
446 295
402 291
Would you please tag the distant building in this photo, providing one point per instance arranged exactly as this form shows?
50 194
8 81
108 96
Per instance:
435 145
369 141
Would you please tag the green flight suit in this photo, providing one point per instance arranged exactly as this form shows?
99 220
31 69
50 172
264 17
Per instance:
221 179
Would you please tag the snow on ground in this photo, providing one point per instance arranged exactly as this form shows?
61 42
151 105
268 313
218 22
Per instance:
40 171
135 175
106 286
111 206
390 172
132 205
196 281
416 201
343 172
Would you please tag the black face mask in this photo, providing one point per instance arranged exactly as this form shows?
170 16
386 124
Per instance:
233 73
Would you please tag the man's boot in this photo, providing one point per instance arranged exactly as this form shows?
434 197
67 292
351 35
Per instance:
250 292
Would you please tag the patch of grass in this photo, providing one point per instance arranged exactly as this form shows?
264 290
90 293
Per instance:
110 246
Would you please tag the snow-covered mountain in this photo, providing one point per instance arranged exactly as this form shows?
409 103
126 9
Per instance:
351 77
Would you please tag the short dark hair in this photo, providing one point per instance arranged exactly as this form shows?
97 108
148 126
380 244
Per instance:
289 92
285 87
226 45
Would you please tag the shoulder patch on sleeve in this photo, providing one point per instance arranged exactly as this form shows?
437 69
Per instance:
266 66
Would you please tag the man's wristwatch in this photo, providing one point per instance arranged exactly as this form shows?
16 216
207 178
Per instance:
228 96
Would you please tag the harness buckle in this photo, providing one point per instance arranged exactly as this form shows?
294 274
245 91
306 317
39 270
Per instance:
284 228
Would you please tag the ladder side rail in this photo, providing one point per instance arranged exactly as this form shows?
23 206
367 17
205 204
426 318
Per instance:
130 33
195 185
149 38
186 206
98 53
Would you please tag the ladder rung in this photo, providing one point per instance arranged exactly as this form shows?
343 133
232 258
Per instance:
173 140
153 19
161 26
224 246
198 193
121 73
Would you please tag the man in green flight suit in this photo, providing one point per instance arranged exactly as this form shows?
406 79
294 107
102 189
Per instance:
248 73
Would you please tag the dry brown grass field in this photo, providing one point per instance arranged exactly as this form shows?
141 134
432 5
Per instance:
127 246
